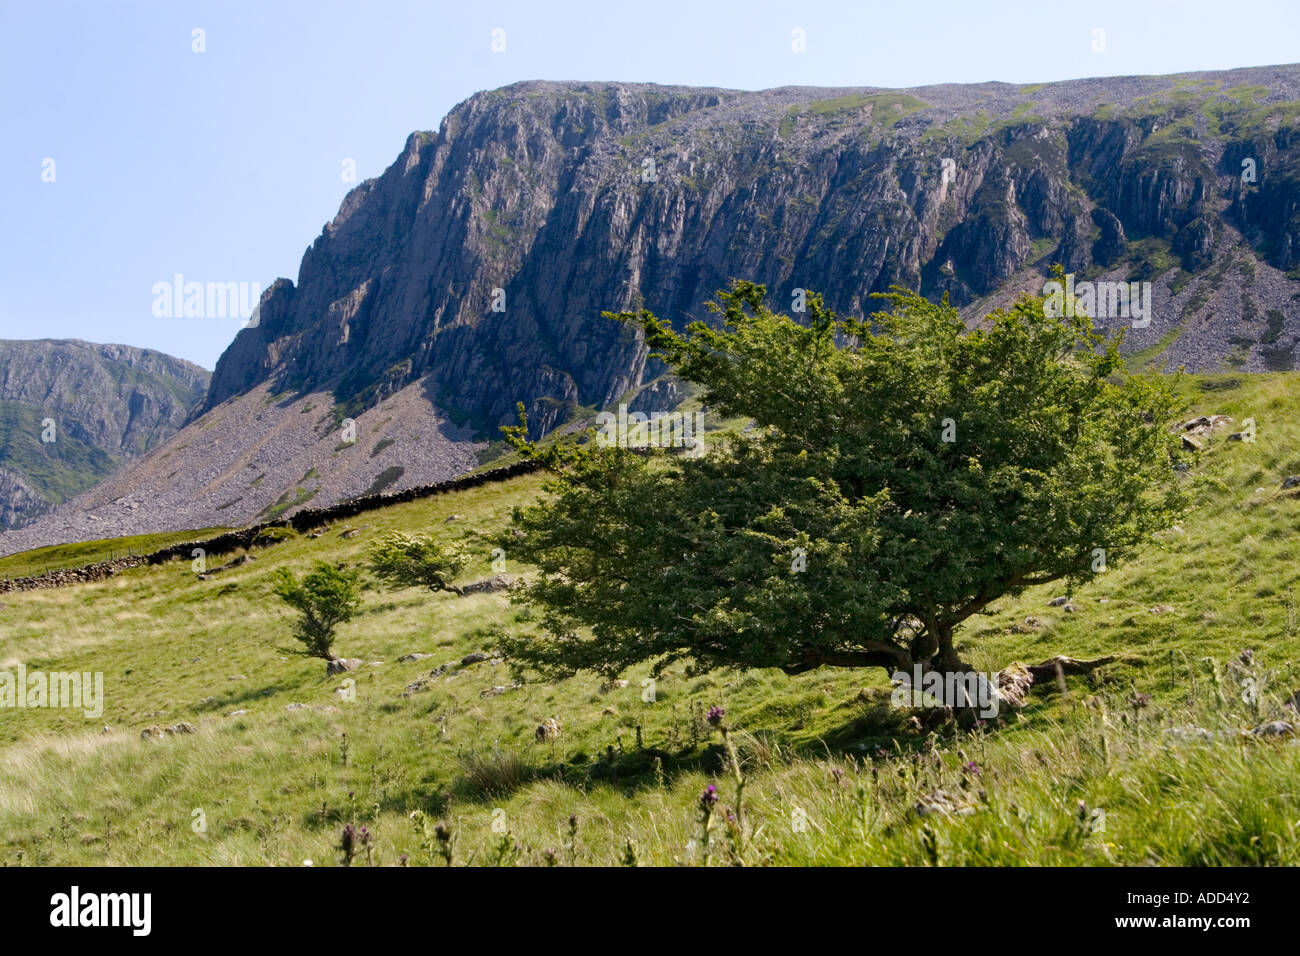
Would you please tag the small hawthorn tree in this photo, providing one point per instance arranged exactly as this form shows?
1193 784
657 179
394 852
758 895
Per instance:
904 473
326 597
417 561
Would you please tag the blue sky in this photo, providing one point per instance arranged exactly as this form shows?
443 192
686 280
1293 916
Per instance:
224 165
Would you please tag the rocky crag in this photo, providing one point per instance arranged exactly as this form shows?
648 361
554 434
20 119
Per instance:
572 198
471 275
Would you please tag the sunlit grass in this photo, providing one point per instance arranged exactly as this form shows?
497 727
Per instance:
275 785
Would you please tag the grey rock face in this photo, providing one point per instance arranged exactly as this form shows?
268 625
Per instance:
1110 244
480 261
19 501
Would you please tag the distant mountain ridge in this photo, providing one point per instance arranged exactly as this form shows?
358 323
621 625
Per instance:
71 412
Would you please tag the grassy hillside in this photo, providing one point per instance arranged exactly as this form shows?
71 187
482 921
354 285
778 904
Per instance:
80 553
279 760
60 469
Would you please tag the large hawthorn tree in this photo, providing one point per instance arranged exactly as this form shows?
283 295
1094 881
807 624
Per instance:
903 474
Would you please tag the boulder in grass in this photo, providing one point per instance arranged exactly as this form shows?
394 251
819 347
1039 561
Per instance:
416 686
156 732
1291 481
943 803
1274 728
1194 423
1201 425
1013 683
548 730
498 582
340 665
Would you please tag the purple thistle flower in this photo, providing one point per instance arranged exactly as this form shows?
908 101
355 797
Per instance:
709 797
715 716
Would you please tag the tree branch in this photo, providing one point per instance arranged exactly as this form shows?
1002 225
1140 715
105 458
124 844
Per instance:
874 655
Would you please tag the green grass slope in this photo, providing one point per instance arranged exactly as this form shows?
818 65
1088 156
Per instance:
58 470
77 554
281 756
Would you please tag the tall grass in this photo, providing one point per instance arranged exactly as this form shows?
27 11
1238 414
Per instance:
1148 762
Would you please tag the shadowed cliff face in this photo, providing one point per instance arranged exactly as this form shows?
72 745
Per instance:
572 198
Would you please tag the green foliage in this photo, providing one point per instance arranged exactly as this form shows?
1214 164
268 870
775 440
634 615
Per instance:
903 475
417 561
326 597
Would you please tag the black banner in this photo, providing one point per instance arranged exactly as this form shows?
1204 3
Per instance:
220 905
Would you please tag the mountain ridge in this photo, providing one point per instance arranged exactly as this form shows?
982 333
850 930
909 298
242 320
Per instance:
455 217
471 275
71 412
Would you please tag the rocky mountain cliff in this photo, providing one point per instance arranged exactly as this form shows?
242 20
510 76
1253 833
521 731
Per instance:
71 412
471 275
570 198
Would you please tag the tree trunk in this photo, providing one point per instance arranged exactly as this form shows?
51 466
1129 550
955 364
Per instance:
947 659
